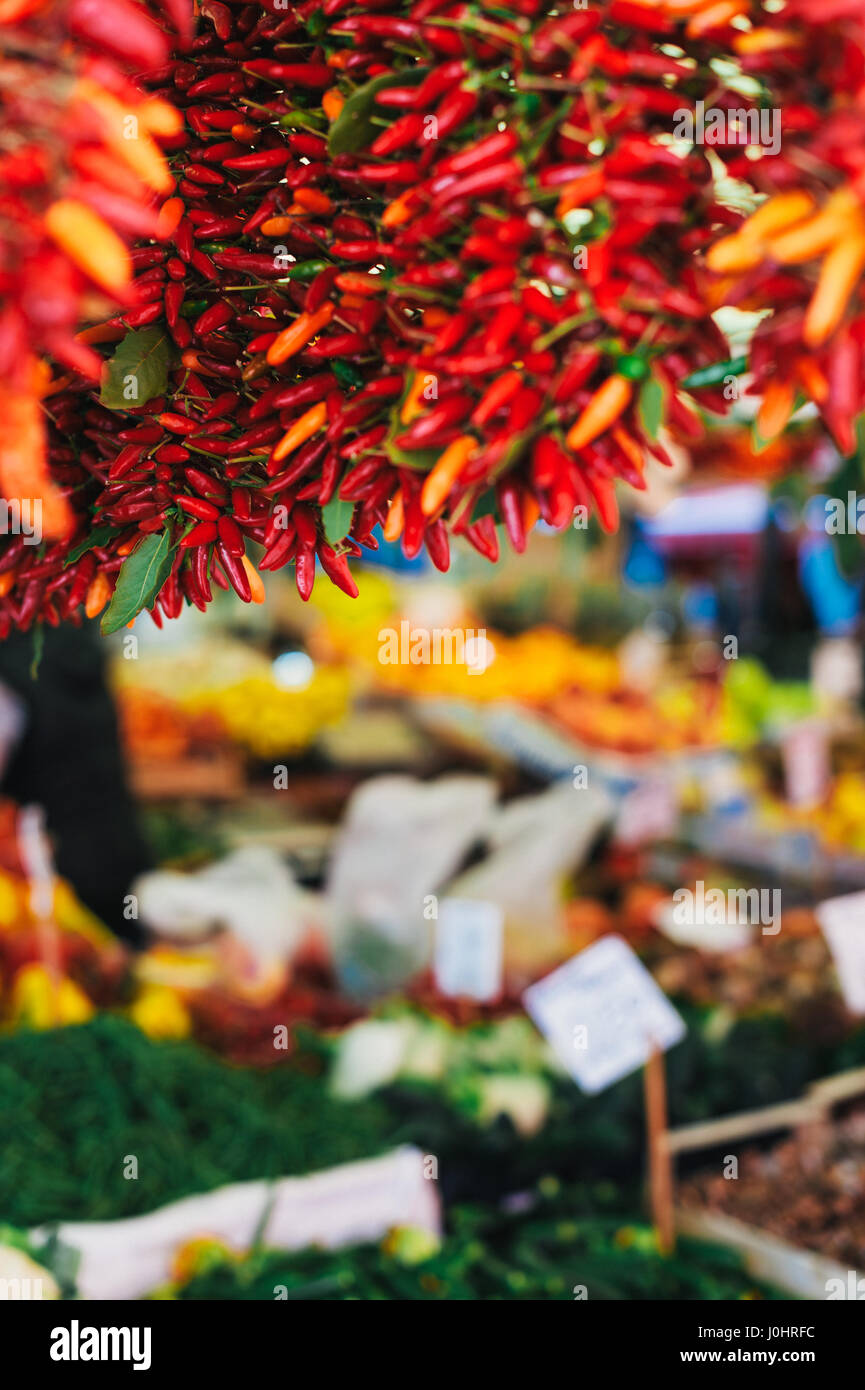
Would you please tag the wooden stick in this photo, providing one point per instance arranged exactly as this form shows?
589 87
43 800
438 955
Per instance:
819 1099
36 859
660 1160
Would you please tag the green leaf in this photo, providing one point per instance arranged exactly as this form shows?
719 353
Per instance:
98 536
651 406
421 460
138 371
486 505
336 516
347 374
353 129
142 576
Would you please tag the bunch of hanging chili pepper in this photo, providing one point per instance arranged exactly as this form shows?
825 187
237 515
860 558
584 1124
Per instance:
439 263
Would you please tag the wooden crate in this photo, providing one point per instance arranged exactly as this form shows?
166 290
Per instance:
217 776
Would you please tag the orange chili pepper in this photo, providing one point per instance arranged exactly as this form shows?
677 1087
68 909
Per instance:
142 155
813 379
7 579
776 407
358 282
332 103
715 16
88 241
300 430
839 276
102 333
276 226
497 394
414 403
159 117
445 471
602 411
629 447
840 217
298 334
169 217
581 191
531 511
97 596
399 211
778 214
313 200
256 583
395 519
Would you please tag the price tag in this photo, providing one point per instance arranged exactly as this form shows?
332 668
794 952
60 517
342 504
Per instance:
805 756
648 812
468 948
602 1014
842 921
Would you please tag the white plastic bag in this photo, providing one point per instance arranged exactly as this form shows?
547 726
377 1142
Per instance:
400 842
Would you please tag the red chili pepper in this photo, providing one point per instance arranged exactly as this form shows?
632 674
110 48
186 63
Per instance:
304 571
235 571
405 131
330 470
202 534
497 395
197 506
279 551
446 412
221 405
217 316
336 568
230 536
403 171
440 80
510 505
319 288
206 484
494 176
338 345
437 544
482 535
178 424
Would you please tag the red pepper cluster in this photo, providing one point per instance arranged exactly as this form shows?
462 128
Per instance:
64 96
428 266
800 258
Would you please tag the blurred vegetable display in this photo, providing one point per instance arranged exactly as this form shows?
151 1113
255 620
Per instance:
538 1250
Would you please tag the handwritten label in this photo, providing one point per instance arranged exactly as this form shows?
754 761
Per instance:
468 948
805 757
602 1013
842 921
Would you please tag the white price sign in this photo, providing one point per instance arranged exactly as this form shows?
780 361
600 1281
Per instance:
468 949
842 921
602 1013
